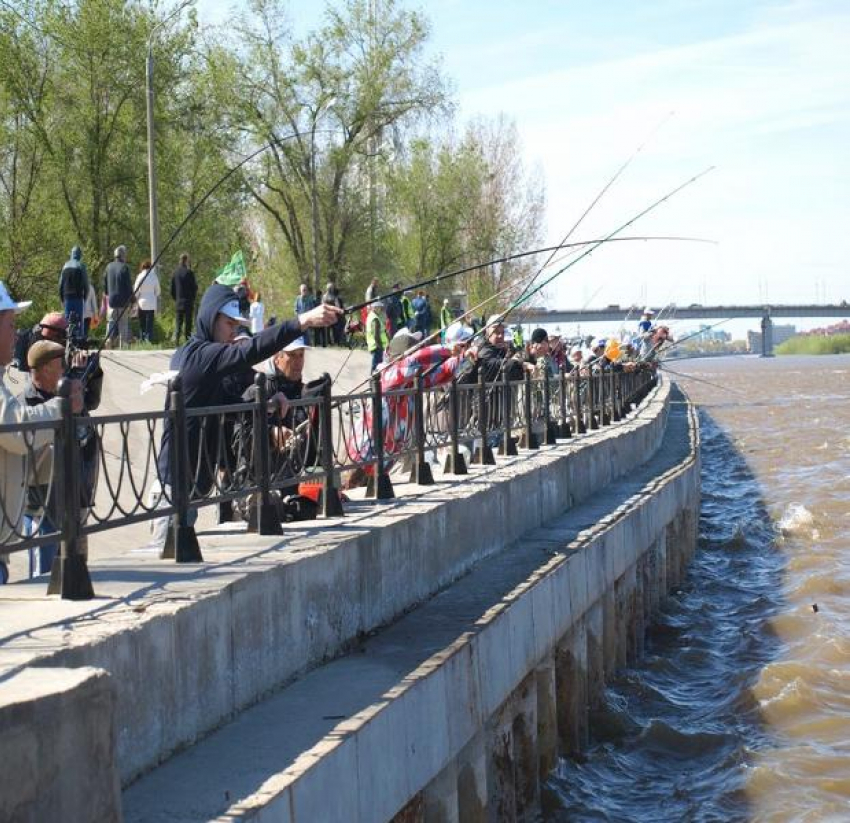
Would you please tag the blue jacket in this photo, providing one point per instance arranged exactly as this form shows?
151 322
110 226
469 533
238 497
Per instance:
203 366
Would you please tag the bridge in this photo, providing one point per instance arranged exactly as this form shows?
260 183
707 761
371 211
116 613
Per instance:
766 312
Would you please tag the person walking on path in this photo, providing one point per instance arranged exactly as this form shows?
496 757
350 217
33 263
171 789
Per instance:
376 334
91 311
332 297
147 293
256 313
184 290
118 289
303 303
74 286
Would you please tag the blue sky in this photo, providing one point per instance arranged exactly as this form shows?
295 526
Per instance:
761 90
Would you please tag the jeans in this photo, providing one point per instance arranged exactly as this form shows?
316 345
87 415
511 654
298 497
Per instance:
74 306
377 358
146 324
41 558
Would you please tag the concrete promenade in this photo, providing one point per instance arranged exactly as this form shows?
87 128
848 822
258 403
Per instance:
174 652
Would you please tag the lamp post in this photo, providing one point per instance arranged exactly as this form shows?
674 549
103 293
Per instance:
314 203
153 211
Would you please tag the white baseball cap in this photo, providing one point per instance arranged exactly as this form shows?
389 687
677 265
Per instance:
402 340
231 310
297 344
6 302
648 310
495 320
458 333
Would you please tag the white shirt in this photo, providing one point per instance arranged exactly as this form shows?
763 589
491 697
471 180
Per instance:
147 292
255 313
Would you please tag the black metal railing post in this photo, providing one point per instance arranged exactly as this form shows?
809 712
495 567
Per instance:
263 517
604 415
578 412
379 485
529 439
592 421
330 502
564 429
615 399
483 453
69 574
185 546
549 433
421 471
455 463
508 447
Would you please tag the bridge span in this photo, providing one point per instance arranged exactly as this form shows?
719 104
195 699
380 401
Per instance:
766 312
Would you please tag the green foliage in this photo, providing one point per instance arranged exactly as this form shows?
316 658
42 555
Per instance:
816 344
362 177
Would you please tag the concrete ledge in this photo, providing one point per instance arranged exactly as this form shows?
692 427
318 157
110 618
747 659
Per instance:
189 648
58 733
376 762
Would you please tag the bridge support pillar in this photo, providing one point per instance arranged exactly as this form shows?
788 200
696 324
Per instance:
766 336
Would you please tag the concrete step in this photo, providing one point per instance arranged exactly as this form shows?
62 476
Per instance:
256 767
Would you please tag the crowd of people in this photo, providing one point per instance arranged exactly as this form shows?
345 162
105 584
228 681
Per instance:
225 347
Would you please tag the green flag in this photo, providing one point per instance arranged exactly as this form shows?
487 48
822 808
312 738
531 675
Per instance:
233 272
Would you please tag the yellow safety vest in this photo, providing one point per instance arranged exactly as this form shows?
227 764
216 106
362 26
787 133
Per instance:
371 343
445 317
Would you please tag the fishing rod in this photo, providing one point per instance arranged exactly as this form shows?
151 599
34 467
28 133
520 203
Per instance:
703 380
528 295
519 255
602 193
112 328
698 333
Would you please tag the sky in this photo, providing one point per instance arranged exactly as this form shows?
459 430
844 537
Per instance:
758 90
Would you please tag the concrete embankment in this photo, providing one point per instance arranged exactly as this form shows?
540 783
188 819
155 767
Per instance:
188 649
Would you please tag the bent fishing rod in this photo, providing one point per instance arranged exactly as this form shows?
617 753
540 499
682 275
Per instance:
527 295
564 241
518 256
113 327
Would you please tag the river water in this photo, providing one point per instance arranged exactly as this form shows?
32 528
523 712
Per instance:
740 708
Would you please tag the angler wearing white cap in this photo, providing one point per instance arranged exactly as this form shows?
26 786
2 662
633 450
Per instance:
16 469
209 363
645 324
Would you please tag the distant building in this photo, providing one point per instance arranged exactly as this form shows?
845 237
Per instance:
780 335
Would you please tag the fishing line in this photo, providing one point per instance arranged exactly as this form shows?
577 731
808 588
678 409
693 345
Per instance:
594 245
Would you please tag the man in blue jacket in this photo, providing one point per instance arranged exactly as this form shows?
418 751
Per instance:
212 354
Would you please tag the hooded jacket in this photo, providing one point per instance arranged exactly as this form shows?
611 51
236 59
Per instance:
74 279
203 366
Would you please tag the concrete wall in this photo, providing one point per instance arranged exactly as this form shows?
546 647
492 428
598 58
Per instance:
471 734
57 728
185 662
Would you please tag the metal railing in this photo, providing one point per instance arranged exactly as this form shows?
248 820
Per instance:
111 465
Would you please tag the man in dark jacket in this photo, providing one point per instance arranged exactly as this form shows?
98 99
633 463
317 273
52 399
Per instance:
118 288
184 290
204 362
74 286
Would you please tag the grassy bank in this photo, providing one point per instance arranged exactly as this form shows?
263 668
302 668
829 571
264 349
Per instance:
834 344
